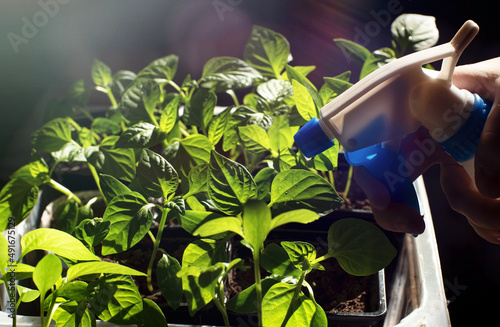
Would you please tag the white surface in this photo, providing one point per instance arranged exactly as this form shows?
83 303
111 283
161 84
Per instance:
423 264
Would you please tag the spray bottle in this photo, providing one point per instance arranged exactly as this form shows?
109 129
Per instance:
372 117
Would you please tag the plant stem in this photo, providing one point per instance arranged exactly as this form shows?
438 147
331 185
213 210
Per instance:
177 88
324 257
219 303
233 96
86 113
156 245
258 284
348 182
42 317
97 181
52 309
55 185
296 291
111 97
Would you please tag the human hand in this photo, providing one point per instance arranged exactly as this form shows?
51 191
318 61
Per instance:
476 201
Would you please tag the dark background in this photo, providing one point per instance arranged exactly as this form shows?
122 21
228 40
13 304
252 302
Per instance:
128 34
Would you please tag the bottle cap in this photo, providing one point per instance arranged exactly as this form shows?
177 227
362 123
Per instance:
311 139
463 144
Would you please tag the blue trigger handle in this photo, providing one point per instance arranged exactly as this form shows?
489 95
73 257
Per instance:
389 168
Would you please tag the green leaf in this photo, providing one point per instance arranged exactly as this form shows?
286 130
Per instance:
156 175
38 169
140 135
295 75
151 98
52 136
200 109
230 184
275 260
189 152
170 285
279 300
353 51
192 219
169 115
92 231
337 85
304 189
72 314
275 90
217 125
111 187
58 242
280 134
245 302
254 138
376 60
415 32
263 180
300 216
153 316
115 298
303 70
130 217
198 180
78 94
219 225
101 73
99 267
132 101
303 101
319 319
327 160
26 294
47 272
122 80
73 291
17 199
256 223
70 153
360 247
287 159
119 162
200 254
301 254
102 125
267 51
161 70
4 248
227 73
66 216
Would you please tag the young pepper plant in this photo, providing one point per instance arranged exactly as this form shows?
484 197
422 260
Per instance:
253 225
359 246
68 298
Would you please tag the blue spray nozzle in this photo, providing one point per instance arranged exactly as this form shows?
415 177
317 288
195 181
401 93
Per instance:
311 139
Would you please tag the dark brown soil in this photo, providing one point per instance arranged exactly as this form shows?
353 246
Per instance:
356 198
334 289
337 291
